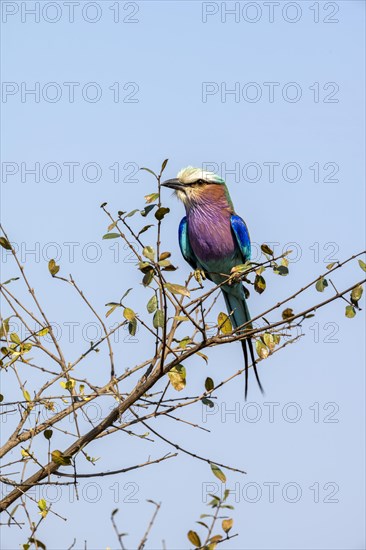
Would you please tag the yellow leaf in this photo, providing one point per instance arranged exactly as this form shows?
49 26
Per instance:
262 349
149 252
194 538
60 459
53 268
15 338
129 314
177 289
42 505
269 340
356 294
218 473
177 377
227 524
27 397
43 332
224 323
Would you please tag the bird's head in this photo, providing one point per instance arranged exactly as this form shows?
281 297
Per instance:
193 184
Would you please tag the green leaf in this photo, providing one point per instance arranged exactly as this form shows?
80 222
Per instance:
362 265
224 323
5 243
152 304
265 248
48 434
330 266
207 402
161 212
194 538
261 349
132 326
164 256
321 284
150 171
280 270
148 277
149 253
129 314
27 346
287 313
152 197
177 289
15 338
184 342
111 236
350 312
163 166
209 384
356 294
144 267
158 320
147 209
125 294
177 377
218 473
53 268
145 228
132 213
259 284
10 280
1 398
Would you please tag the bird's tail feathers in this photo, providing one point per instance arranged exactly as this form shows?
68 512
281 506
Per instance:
239 314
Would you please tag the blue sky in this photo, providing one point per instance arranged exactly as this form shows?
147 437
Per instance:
175 73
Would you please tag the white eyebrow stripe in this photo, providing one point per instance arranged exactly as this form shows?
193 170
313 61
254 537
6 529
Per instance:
190 175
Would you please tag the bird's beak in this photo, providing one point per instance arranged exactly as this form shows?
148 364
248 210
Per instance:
173 184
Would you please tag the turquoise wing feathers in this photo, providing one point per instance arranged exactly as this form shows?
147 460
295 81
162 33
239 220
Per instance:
241 233
184 244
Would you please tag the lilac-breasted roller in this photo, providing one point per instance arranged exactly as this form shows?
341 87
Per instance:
214 239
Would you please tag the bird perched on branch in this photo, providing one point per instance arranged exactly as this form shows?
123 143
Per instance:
213 240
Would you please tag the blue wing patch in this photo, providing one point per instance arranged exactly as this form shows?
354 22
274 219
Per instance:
242 236
184 244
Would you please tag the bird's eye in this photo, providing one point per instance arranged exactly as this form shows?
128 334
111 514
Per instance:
200 181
